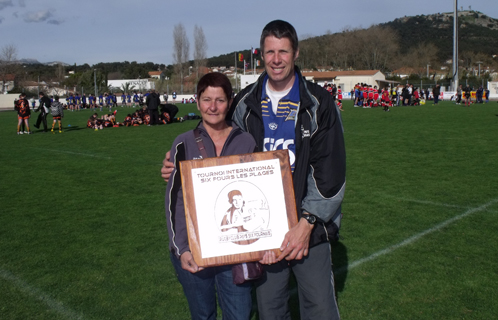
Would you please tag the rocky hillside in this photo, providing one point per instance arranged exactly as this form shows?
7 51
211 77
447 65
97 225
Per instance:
478 32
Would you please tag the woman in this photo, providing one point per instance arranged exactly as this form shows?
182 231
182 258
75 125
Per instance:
220 138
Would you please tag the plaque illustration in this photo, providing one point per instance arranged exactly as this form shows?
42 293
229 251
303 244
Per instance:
243 213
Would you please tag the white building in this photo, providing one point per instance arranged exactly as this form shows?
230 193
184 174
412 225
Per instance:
136 84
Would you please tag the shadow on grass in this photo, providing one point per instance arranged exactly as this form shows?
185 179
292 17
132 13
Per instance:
74 128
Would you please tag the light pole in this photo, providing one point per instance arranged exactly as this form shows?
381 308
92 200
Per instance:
479 63
428 71
95 81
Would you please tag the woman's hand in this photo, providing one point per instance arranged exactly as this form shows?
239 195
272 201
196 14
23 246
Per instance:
188 262
268 258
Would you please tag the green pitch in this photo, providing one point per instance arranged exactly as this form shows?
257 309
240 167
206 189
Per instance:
83 233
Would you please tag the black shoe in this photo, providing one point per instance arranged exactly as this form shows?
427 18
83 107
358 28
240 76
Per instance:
37 127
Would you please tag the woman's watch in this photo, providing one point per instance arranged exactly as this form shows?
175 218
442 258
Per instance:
309 217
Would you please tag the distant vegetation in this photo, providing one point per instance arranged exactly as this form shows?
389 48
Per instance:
409 42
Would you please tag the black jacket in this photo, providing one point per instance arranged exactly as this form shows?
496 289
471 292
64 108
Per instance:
319 177
153 101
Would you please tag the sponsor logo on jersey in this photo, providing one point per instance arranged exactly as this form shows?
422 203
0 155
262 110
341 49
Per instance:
271 145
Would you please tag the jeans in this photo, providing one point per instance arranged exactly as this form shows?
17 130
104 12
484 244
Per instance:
200 290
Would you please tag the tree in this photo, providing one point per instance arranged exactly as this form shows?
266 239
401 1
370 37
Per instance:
181 47
200 48
8 65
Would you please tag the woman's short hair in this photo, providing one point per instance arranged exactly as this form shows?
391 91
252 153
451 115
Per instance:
214 79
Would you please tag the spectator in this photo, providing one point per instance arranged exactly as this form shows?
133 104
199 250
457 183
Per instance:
153 101
43 108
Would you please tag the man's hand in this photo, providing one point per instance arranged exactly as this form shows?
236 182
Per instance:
188 262
296 241
167 167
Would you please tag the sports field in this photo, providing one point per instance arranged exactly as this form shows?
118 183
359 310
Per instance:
83 233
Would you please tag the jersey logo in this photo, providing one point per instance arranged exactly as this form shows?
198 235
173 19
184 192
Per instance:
291 116
273 126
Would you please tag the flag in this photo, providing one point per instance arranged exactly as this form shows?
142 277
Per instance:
254 51
258 63
246 65
241 57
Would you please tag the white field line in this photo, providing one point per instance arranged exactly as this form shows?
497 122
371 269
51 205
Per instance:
81 154
76 153
38 294
414 238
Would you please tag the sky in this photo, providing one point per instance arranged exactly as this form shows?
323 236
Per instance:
93 31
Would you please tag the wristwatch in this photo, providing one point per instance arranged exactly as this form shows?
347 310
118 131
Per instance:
309 217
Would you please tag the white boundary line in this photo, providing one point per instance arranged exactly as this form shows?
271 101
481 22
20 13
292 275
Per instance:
38 294
414 238
76 153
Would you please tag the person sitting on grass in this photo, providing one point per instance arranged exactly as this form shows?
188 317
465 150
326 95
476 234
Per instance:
127 121
57 111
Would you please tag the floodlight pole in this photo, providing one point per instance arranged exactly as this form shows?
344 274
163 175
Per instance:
455 47
95 81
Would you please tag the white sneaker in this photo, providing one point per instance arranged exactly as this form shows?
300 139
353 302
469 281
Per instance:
20 132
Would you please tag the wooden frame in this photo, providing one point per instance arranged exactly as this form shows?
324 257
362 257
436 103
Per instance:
256 188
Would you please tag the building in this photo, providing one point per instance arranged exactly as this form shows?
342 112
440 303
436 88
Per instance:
7 82
348 79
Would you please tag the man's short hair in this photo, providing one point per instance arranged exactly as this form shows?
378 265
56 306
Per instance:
279 29
41 93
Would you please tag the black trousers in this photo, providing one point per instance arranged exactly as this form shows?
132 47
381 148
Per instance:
154 116
42 117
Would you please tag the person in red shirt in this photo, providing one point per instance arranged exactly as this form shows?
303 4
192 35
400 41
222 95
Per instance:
385 100
416 97
365 96
339 98
376 94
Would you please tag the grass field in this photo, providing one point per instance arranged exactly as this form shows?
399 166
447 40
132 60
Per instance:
83 233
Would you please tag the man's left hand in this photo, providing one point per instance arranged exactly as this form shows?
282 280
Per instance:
296 242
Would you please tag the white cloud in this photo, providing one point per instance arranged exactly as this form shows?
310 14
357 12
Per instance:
5 3
39 16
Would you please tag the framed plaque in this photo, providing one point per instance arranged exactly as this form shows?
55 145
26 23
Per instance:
237 207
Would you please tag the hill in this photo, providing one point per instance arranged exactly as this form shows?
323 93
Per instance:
478 32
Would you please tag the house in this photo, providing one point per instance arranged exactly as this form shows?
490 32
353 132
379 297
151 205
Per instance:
157 75
7 82
347 79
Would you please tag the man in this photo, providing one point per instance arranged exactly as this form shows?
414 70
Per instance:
153 101
282 106
283 110
43 108
435 92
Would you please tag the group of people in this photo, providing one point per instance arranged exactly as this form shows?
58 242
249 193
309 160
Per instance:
336 93
47 105
281 110
368 96
466 94
140 117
